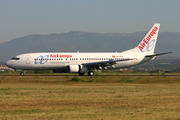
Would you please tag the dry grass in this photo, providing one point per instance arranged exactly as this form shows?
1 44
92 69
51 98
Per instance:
98 97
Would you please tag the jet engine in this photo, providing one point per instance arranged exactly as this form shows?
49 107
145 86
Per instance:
81 69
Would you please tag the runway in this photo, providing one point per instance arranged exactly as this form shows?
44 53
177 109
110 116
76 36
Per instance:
99 75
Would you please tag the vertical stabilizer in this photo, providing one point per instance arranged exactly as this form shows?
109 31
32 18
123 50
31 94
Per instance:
147 45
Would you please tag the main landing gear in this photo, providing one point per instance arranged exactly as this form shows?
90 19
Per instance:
90 73
22 73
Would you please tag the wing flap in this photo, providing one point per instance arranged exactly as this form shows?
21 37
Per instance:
104 63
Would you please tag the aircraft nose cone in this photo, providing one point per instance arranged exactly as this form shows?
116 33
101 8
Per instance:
9 63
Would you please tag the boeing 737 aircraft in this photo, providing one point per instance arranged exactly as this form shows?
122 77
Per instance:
88 62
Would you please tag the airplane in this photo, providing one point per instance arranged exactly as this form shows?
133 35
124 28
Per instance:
88 62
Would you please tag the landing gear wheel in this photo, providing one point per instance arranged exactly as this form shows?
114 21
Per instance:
21 73
90 73
81 74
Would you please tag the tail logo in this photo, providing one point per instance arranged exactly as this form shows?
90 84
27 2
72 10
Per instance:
149 46
145 43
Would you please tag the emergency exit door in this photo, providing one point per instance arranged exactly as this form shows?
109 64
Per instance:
28 59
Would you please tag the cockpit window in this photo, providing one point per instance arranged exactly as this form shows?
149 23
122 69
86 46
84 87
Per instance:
15 58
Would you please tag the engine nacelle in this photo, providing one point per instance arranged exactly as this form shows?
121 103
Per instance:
83 69
73 68
77 69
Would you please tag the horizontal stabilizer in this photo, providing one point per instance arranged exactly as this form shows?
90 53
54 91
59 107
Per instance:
158 54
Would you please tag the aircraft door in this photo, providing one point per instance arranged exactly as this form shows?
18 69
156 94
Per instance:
135 59
28 59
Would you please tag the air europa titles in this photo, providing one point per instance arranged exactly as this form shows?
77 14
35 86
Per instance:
60 56
146 40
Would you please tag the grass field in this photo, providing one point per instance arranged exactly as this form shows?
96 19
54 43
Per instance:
97 97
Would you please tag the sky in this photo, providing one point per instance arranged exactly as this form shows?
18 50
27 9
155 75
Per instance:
19 18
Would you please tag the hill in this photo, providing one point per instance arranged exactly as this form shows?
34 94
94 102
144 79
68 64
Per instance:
85 42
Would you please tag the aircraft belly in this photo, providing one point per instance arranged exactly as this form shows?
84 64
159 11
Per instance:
122 64
48 66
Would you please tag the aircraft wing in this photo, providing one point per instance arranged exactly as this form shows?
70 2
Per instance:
157 54
104 63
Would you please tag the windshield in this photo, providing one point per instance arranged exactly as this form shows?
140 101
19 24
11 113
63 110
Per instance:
14 58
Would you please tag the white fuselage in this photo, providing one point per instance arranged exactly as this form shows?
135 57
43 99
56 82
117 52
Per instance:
56 61
83 62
